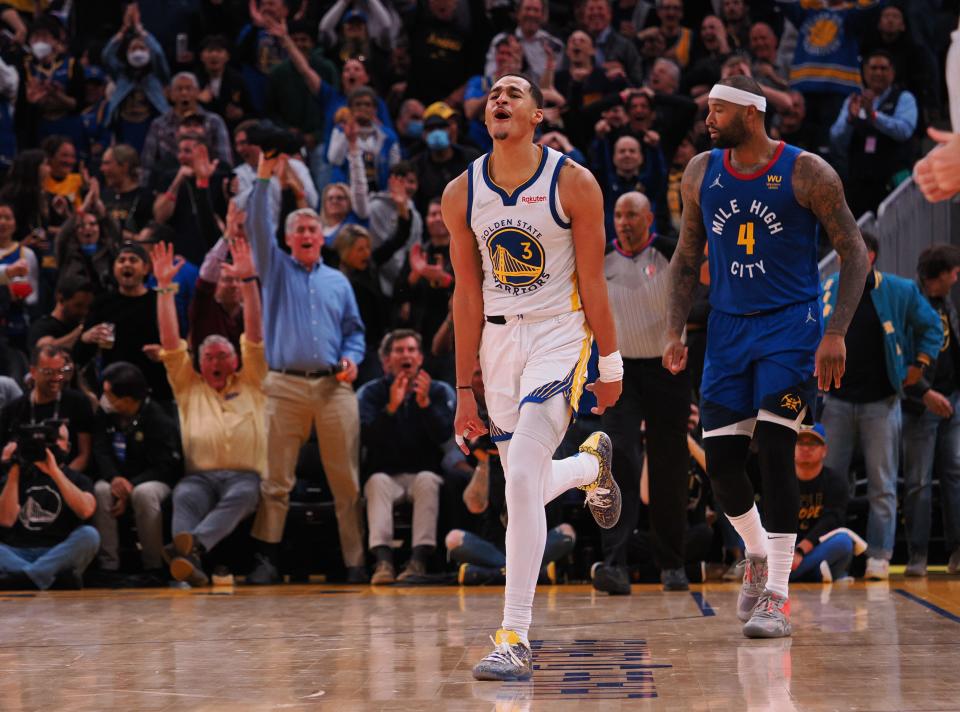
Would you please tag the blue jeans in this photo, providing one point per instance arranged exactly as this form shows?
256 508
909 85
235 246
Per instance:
837 551
931 442
42 564
876 427
480 552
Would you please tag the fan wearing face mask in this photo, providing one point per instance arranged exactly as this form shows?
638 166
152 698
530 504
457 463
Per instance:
53 86
134 60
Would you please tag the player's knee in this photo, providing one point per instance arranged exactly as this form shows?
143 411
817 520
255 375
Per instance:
726 457
775 446
454 539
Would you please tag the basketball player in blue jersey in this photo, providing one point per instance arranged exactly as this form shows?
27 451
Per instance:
756 204
527 245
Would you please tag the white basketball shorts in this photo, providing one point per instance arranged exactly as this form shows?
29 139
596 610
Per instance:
526 360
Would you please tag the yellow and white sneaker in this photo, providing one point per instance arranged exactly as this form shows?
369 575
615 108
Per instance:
603 494
511 659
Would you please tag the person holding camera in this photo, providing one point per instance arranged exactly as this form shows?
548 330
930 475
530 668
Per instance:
137 453
43 507
51 369
314 340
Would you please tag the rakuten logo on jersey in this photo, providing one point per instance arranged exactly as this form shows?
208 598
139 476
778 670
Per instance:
532 199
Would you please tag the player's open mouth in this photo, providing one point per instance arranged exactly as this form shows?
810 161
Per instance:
406 366
126 273
501 114
306 245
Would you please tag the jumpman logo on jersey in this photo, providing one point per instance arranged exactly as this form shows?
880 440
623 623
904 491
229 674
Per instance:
716 183
810 316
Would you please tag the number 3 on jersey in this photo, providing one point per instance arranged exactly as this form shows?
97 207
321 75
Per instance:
745 237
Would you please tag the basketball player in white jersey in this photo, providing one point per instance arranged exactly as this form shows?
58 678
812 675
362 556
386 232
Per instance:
527 249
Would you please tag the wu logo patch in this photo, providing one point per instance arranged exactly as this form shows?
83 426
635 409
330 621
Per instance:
773 182
517 257
790 402
716 183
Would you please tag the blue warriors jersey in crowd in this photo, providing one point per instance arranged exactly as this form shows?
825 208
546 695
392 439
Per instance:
762 243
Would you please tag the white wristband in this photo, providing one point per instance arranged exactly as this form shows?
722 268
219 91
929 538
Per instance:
611 368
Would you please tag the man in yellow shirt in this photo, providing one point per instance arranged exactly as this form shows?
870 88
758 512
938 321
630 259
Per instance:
221 417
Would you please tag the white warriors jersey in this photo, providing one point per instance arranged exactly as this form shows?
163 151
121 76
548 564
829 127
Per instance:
525 241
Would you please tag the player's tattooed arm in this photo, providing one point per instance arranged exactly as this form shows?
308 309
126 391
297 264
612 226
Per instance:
685 265
818 188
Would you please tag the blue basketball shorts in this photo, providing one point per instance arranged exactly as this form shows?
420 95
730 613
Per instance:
762 361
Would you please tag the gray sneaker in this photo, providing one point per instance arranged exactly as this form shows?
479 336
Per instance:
916 566
771 617
603 494
754 584
510 660
953 566
735 571
674 579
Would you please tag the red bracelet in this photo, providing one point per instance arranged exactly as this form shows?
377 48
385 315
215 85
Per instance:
172 197
203 183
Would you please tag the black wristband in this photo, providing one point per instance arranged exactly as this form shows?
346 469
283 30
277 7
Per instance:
249 279
464 388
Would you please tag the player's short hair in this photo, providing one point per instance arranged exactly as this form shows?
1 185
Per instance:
386 344
871 241
535 91
747 84
937 259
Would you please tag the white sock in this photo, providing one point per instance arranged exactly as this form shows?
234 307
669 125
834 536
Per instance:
780 549
750 529
575 471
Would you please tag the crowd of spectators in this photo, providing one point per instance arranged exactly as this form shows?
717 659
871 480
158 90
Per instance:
168 168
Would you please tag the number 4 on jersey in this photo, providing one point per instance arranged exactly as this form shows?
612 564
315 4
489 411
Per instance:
745 237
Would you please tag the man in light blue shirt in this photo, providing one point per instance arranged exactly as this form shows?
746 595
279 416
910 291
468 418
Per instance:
874 130
314 341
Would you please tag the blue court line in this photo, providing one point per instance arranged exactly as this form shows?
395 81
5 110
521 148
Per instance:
926 604
705 608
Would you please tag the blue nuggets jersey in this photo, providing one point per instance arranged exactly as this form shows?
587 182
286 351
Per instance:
762 243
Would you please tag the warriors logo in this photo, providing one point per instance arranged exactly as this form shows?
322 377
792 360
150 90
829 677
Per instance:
517 257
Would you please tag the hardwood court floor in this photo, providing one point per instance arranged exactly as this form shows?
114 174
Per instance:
877 646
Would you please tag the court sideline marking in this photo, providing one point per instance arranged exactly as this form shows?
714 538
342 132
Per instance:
927 604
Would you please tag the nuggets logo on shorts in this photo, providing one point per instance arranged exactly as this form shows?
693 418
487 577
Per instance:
517 257
791 402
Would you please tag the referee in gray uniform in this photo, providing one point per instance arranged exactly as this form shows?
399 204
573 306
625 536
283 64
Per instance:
637 282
